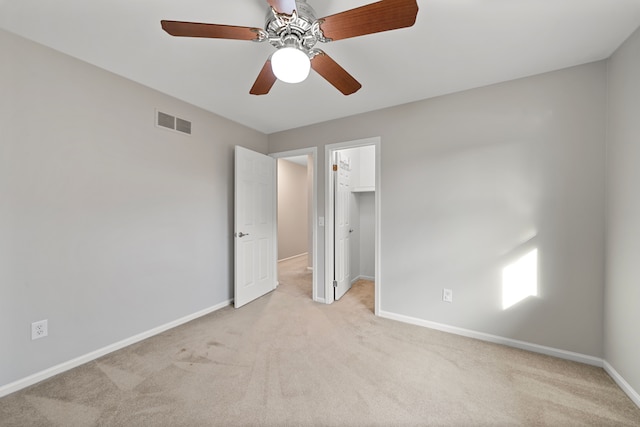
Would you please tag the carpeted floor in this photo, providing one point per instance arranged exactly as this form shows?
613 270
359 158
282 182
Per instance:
285 360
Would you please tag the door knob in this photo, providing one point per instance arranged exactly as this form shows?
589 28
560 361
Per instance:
241 234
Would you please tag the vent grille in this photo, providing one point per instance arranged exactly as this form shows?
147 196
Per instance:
168 121
183 126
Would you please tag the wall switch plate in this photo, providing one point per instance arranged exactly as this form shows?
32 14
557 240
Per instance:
447 295
39 329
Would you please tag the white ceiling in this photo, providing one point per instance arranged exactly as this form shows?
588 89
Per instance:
454 45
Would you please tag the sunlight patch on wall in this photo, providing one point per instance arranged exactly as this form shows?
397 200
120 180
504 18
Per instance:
520 279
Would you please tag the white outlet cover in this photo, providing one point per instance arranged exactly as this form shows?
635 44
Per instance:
447 295
39 329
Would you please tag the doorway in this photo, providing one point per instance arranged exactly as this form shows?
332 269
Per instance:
353 196
297 214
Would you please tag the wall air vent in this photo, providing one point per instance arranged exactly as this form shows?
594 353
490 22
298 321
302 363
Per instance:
183 126
177 124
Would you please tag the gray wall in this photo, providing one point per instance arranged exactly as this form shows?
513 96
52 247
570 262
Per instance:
293 218
470 182
622 297
109 226
367 210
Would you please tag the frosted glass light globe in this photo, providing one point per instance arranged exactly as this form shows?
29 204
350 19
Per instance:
290 65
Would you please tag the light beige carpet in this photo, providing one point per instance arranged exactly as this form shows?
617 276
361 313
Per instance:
285 360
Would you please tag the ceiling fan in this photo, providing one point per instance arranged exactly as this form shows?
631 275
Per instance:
291 27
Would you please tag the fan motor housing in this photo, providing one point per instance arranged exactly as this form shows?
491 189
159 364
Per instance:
301 29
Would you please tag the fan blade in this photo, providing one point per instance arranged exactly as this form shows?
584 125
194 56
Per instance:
334 74
213 31
283 6
265 80
377 17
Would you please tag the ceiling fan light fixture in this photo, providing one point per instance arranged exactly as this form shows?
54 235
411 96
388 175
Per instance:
291 26
290 64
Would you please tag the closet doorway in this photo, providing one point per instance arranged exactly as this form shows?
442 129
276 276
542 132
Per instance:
353 217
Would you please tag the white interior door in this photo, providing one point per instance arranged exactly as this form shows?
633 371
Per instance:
342 224
255 226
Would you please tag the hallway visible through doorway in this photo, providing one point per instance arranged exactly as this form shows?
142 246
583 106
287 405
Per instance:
294 278
297 211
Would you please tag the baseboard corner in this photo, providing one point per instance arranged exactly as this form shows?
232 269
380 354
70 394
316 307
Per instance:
362 277
293 257
622 383
522 345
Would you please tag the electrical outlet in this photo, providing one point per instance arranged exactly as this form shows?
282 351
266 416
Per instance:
39 329
447 295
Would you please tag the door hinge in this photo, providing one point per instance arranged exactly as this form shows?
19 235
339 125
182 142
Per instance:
335 283
335 168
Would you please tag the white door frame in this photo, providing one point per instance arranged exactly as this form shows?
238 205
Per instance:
329 149
313 152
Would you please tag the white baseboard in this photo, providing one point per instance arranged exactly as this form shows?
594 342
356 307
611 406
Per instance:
549 351
624 385
293 257
65 366
563 354
523 345
361 277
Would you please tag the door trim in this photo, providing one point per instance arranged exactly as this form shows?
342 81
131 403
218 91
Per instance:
313 152
329 149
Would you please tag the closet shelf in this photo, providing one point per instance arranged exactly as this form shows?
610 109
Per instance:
363 189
